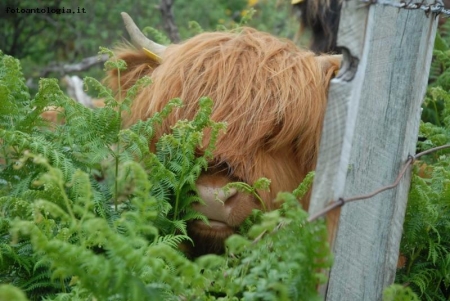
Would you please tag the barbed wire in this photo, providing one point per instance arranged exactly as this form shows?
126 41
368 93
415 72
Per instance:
436 8
342 201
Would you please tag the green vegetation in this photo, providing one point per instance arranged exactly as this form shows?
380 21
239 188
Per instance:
425 245
88 212
45 39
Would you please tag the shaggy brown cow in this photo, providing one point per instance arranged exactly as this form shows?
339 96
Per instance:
272 95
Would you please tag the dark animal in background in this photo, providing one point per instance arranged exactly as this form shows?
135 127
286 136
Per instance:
271 93
321 17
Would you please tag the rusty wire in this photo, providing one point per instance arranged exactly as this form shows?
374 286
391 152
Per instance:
342 201
436 8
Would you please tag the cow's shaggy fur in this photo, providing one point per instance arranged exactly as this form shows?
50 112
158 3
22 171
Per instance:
271 93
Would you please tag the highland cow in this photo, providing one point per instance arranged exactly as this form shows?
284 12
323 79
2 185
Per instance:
271 94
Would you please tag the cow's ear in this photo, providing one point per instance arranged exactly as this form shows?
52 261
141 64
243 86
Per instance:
139 63
330 65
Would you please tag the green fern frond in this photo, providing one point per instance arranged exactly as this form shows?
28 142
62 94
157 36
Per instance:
396 292
156 35
261 183
191 214
195 27
171 240
303 188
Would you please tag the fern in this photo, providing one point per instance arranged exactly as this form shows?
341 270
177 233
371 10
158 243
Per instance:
397 292
257 269
156 35
426 236
89 212
195 27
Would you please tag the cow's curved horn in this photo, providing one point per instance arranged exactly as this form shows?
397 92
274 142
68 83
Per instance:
138 39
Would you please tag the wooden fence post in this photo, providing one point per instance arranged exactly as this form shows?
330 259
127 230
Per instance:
370 128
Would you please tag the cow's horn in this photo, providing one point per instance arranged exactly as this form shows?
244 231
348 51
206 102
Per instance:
138 39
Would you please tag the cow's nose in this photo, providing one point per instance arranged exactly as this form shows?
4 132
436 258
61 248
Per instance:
215 198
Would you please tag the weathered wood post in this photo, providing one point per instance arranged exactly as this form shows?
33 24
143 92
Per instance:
370 128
